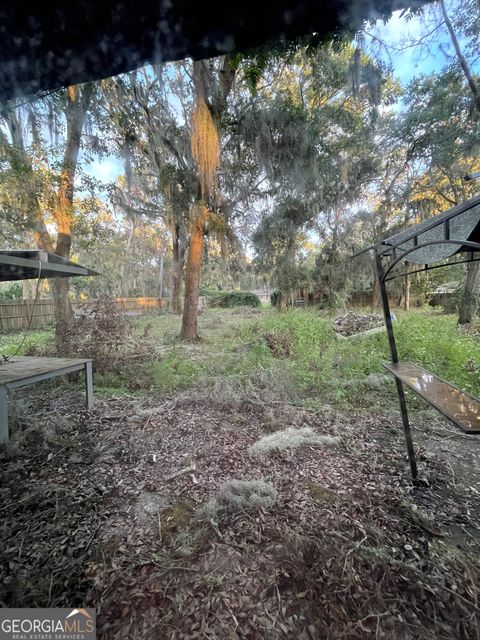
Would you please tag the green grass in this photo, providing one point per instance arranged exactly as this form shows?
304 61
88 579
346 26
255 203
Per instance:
327 370
320 369
10 343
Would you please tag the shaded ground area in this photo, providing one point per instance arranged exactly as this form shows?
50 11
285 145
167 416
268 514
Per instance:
105 509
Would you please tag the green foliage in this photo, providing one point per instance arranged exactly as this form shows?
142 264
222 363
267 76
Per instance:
228 299
315 173
36 341
11 291
327 370
176 371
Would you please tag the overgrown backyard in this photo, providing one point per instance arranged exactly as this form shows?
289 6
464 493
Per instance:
253 484
296 352
203 418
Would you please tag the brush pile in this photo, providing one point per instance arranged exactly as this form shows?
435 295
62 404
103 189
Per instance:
351 323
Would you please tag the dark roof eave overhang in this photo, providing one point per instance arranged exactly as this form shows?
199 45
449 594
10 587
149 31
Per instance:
26 265
49 45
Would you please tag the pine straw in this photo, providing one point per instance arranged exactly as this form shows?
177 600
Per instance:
348 551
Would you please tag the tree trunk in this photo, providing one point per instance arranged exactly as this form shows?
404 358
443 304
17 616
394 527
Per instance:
288 264
29 288
160 272
63 315
282 301
76 110
469 303
176 271
192 277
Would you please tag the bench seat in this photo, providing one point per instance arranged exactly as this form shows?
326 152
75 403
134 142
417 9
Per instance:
459 407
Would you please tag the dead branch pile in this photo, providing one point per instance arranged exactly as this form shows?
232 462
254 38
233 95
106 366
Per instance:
350 323
280 344
106 336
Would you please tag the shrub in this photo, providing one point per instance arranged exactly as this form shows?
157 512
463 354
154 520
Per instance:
103 334
11 291
227 299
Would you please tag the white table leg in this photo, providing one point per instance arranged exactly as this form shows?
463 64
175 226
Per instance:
3 414
89 384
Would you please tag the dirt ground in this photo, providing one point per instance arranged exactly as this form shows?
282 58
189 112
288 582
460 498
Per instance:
104 509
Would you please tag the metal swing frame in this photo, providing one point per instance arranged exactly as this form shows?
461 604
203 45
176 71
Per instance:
388 254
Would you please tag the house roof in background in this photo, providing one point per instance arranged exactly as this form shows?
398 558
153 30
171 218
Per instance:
44 46
26 265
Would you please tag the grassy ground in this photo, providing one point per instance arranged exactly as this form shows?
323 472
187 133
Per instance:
295 352
313 365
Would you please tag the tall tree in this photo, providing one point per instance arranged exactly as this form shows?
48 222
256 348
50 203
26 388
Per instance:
442 141
38 192
212 81
315 143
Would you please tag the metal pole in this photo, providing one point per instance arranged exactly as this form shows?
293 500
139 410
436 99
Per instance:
394 356
89 384
386 309
3 414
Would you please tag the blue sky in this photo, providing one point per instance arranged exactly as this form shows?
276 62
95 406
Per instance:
410 61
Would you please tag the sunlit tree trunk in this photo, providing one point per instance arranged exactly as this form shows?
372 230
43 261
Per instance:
192 276
77 103
211 100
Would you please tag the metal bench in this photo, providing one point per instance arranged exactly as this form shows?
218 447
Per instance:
456 405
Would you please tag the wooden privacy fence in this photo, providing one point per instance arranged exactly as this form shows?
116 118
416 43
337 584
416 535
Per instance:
365 299
15 314
129 306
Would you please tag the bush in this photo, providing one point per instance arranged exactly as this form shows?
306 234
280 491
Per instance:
227 299
11 291
103 334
